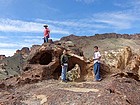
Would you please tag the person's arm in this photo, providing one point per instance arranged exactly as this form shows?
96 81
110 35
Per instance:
97 58
48 31
69 56
61 60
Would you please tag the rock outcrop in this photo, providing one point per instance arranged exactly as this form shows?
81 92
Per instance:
44 63
124 58
2 57
123 62
73 74
24 52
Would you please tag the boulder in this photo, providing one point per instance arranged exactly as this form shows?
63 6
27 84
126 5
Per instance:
2 57
23 51
70 44
50 41
44 63
132 70
124 58
123 62
73 74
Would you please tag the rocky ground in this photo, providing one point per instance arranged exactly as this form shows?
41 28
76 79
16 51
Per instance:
31 76
110 91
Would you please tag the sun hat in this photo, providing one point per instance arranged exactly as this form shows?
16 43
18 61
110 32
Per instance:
45 25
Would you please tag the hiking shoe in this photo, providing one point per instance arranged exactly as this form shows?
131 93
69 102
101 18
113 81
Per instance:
64 81
99 80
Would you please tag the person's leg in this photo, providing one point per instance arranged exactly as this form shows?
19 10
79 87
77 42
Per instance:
63 73
47 39
95 70
44 39
98 72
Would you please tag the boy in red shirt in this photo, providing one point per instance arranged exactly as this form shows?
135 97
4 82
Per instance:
46 33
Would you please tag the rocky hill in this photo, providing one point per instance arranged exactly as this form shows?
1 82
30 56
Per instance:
12 66
32 75
107 41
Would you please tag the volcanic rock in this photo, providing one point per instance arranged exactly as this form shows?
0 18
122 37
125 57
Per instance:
44 63
124 58
2 57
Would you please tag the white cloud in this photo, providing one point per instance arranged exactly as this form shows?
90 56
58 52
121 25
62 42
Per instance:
107 20
130 3
7 52
14 45
9 49
37 40
115 20
31 37
8 45
33 40
3 37
9 25
74 23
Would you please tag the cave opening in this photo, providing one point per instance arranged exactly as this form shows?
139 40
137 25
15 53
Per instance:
45 58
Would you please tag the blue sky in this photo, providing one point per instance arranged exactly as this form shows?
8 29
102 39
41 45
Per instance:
21 21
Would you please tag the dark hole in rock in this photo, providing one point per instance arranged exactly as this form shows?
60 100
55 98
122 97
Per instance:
27 80
45 58
111 90
128 101
56 74
27 68
128 81
37 76
131 75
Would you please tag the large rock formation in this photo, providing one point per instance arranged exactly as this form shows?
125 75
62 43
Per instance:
124 58
44 63
24 52
123 62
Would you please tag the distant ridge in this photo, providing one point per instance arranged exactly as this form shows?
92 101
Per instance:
106 41
103 36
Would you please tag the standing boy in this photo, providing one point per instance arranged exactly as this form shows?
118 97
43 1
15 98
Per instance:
96 58
46 33
64 64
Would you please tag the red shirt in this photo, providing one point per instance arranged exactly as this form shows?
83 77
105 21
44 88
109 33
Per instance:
46 32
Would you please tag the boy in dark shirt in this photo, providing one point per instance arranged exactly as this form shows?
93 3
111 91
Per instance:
64 64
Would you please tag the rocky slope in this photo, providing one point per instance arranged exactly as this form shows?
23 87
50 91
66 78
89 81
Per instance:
108 41
12 66
39 68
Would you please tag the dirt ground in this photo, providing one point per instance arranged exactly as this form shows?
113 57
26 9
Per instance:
111 91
